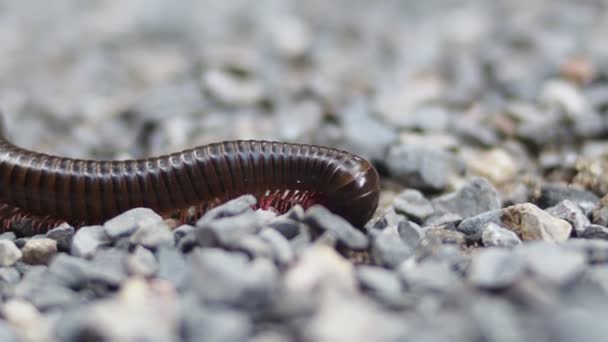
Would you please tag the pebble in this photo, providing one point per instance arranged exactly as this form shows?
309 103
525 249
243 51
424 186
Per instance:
422 167
227 231
428 276
172 267
141 262
473 227
569 211
495 268
128 222
63 234
283 254
39 251
552 194
381 284
232 90
9 275
494 235
322 219
552 263
388 249
600 213
565 95
475 197
496 164
414 205
233 207
88 240
9 253
8 236
532 223
595 231
153 235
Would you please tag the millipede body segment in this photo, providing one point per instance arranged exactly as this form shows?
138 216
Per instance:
48 190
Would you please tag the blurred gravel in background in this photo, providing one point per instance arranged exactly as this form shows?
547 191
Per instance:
487 120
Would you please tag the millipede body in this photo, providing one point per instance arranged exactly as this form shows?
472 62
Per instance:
45 190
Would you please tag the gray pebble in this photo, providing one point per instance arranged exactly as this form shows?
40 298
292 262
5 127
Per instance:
226 231
88 240
429 276
287 227
552 262
153 235
495 268
422 167
44 291
380 283
569 211
141 262
172 267
63 234
8 236
181 231
9 275
233 207
475 197
128 222
595 231
215 324
9 253
365 135
39 251
282 252
410 233
414 205
320 218
388 249
473 227
494 235
552 194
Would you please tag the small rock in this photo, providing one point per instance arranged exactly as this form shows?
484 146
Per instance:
552 262
475 197
410 233
387 248
172 267
569 211
232 90
422 167
142 262
532 223
494 235
9 253
600 213
153 235
414 205
282 252
63 234
8 236
495 268
126 223
429 276
594 231
552 194
292 37
320 218
214 324
233 207
181 231
287 227
39 251
564 95
88 240
380 283
9 275
319 268
445 236
227 231
473 227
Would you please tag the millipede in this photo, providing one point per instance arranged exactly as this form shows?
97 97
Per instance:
44 190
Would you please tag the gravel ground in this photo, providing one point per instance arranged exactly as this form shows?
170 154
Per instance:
486 119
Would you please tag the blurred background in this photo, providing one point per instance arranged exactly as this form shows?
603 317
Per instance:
504 87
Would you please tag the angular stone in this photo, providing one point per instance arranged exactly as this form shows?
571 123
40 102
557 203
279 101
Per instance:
39 251
475 197
88 240
571 212
495 268
9 253
494 235
126 223
414 205
320 218
532 223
